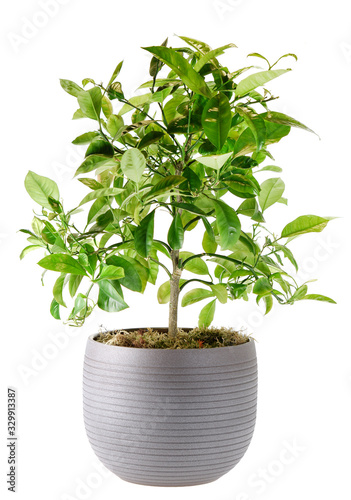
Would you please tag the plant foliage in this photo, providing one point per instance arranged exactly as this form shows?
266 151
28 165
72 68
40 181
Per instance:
194 144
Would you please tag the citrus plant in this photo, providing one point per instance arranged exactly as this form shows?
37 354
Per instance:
193 144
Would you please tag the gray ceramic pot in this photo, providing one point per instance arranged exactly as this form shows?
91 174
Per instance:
169 417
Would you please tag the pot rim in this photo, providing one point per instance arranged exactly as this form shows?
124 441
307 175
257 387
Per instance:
93 336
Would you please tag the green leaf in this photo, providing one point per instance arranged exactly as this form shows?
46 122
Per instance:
250 208
139 101
275 117
164 291
85 138
305 224
287 253
216 119
271 168
164 186
182 68
58 289
133 164
271 192
207 314
196 266
114 125
73 284
41 188
91 183
100 193
209 243
80 307
156 64
150 138
228 224
195 295
202 47
210 56
220 292
110 299
256 125
216 161
268 299
99 146
28 249
55 309
175 236
132 279
71 87
322 298
299 294
115 73
144 234
257 80
111 272
262 286
90 102
93 162
62 263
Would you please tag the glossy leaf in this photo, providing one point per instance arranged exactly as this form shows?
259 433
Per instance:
114 125
62 263
262 286
144 234
211 55
93 162
150 138
196 295
271 192
163 187
73 284
90 102
216 119
29 249
282 119
58 289
100 193
207 314
175 235
257 80
228 224
71 87
40 188
109 298
111 272
215 161
316 296
182 68
305 224
55 309
256 125
220 292
115 73
133 164
196 265
99 146
132 279
85 138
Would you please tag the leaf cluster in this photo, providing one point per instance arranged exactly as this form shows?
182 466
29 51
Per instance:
192 143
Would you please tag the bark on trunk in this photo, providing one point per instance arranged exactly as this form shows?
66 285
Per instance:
174 298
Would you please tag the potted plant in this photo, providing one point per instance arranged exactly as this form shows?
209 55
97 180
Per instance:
172 406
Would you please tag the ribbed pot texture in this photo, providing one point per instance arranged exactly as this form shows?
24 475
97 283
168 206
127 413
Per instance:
169 417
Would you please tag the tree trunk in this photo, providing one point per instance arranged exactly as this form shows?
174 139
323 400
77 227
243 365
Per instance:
174 298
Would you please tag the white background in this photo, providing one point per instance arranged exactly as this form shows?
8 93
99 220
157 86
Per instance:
303 351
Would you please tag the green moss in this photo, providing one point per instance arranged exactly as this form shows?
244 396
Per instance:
198 338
